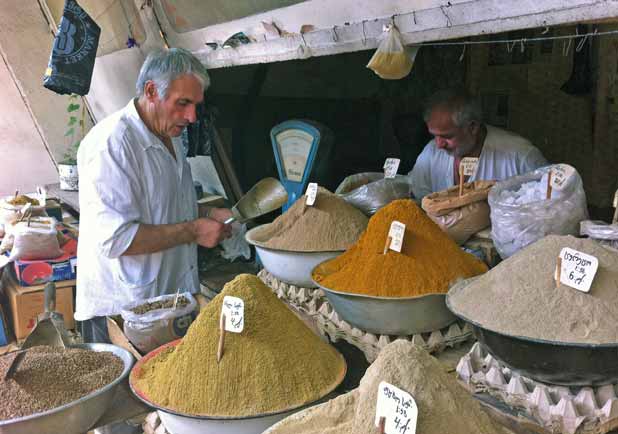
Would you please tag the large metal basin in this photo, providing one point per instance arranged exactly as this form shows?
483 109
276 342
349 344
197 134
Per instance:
290 267
391 315
76 417
179 423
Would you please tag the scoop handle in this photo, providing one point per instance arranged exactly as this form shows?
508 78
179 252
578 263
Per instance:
50 297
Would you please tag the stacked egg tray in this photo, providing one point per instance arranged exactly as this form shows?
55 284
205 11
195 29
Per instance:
313 302
553 409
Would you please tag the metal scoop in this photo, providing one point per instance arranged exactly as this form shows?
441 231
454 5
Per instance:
265 196
49 330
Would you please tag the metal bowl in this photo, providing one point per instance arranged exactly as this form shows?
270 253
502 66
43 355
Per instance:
553 362
290 267
76 417
391 315
181 423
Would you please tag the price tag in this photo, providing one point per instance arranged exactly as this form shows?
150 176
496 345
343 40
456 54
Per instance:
469 165
391 166
234 311
616 199
560 175
578 269
398 408
312 193
396 233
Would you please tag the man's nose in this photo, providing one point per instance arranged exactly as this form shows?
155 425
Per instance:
440 142
191 114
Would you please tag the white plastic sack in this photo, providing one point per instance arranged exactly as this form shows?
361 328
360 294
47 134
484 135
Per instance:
391 60
157 327
521 214
370 191
605 233
36 239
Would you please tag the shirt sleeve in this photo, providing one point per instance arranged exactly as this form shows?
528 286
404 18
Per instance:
114 198
532 161
420 176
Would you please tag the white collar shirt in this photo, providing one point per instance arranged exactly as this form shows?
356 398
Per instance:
127 177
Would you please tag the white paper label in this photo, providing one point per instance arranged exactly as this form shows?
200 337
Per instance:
616 200
469 165
560 175
398 408
25 208
312 192
578 269
396 233
391 166
234 311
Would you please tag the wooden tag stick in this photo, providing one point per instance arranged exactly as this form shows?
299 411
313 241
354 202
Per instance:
558 271
16 193
221 337
389 240
549 186
461 179
382 425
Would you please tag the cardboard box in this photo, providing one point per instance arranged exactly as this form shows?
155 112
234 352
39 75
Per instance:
50 270
27 302
4 328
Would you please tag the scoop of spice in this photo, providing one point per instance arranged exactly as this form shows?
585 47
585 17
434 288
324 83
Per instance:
428 263
276 363
49 377
519 296
331 224
444 407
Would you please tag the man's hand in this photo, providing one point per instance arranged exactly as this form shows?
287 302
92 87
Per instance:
209 232
220 214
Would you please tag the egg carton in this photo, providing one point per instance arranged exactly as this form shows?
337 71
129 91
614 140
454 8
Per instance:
314 303
556 409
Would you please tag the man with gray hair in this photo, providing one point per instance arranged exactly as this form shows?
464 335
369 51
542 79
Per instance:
455 119
140 224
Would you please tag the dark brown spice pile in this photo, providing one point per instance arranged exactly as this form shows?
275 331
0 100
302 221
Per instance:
167 304
49 377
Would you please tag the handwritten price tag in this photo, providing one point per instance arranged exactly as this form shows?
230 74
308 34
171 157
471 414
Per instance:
560 175
469 165
391 166
396 234
578 269
398 408
312 193
234 311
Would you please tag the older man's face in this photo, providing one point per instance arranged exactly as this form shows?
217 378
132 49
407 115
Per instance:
457 141
178 108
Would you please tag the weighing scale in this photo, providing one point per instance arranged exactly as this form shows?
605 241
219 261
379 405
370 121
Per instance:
298 145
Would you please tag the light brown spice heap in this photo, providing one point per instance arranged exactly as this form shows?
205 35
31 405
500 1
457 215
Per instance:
276 363
331 224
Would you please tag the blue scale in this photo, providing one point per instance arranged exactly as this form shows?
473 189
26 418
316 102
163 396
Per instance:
295 145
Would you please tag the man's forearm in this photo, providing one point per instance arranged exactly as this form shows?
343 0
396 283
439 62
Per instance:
156 238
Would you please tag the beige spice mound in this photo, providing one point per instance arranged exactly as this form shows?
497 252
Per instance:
331 224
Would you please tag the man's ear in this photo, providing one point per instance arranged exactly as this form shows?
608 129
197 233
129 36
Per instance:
150 91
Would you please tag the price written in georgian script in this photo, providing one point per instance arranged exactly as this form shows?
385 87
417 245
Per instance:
391 166
469 165
578 269
560 175
234 311
396 234
398 408
312 192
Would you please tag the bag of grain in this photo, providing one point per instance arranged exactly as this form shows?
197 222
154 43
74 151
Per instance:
150 323
370 191
391 60
521 213
36 238
460 216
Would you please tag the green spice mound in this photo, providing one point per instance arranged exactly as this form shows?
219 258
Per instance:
276 363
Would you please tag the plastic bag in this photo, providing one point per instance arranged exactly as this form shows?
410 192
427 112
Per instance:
370 191
236 245
521 215
605 233
32 240
391 61
75 47
158 326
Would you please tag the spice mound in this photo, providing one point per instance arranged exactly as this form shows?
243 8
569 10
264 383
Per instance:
519 297
331 224
49 377
443 405
276 363
22 200
428 263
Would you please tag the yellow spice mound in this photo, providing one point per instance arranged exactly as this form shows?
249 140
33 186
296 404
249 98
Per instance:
276 363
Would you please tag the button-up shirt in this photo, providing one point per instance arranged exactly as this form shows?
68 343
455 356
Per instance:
128 177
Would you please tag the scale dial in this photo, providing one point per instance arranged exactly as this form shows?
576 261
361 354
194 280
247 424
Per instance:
294 146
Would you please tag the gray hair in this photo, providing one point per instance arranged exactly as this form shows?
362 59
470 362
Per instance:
164 66
464 107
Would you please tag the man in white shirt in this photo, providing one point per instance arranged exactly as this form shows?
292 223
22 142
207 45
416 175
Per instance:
140 224
455 119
